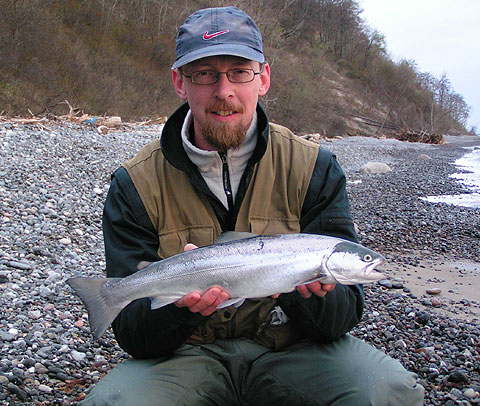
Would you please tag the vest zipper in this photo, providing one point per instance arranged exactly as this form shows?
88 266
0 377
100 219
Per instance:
227 186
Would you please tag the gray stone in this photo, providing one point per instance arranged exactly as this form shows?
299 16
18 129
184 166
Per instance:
376 168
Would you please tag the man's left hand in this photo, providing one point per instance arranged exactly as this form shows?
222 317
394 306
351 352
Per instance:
314 288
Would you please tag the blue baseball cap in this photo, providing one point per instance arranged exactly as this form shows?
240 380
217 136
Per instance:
218 31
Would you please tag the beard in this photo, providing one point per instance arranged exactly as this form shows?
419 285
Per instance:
224 136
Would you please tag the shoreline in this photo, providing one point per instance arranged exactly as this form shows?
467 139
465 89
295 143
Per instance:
53 183
428 246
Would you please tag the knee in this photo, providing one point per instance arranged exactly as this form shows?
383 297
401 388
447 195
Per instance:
396 387
103 395
378 379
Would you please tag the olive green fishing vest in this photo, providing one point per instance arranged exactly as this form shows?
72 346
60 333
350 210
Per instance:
272 205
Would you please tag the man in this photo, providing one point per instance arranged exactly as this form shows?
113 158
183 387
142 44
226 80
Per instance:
221 166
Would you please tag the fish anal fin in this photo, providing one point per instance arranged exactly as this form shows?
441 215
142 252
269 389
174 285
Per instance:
234 301
160 301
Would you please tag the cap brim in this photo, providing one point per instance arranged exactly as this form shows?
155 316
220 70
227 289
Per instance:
241 51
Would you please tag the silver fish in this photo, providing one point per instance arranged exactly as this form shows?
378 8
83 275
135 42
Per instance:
252 267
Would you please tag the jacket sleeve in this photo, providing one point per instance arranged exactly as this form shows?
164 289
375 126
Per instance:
326 211
130 238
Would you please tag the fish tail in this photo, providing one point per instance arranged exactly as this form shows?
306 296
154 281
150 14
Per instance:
101 313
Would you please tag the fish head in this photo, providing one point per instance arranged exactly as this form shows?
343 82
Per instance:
351 264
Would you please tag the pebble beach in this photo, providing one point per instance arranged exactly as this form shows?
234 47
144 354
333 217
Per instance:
54 176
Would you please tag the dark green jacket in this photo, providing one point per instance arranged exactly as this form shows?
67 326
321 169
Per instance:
130 238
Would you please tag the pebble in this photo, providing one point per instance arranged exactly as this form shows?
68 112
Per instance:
14 389
457 376
51 201
19 265
386 283
45 388
35 314
470 393
78 356
40 369
434 291
422 318
4 336
436 303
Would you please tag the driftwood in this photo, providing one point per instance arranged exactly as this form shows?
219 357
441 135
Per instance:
399 133
103 124
418 136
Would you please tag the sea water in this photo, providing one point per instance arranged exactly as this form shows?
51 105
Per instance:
470 177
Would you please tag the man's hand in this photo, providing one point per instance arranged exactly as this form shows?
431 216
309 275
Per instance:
315 288
204 303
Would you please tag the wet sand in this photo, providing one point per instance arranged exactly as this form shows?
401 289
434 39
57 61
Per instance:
458 283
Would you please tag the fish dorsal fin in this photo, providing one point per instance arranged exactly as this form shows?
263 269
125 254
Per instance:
142 265
228 236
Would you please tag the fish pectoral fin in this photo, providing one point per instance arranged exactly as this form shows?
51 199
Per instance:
234 301
160 301
321 279
233 236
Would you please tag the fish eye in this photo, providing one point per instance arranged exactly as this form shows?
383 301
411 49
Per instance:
367 258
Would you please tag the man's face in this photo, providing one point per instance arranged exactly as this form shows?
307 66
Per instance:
222 111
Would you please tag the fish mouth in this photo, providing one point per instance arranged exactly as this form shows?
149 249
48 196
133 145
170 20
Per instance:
372 272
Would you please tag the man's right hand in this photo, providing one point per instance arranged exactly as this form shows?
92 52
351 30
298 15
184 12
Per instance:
204 303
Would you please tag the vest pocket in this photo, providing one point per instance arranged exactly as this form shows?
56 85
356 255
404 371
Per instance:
173 242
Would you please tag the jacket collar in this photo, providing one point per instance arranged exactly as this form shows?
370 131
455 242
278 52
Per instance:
172 146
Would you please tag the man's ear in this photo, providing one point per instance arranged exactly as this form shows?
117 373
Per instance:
178 83
264 80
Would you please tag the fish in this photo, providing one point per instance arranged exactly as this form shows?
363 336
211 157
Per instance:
248 266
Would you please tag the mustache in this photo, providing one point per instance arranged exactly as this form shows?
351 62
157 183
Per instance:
224 106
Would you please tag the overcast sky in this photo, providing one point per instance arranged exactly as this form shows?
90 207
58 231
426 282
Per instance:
440 35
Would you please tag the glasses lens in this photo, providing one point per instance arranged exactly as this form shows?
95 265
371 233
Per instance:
204 77
240 75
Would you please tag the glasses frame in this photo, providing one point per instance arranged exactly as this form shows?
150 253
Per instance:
220 73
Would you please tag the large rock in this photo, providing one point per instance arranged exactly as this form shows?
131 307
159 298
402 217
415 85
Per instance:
376 167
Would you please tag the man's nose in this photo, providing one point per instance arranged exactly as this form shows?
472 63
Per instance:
223 87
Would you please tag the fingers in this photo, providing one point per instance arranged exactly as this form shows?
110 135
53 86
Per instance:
315 288
189 247
204 303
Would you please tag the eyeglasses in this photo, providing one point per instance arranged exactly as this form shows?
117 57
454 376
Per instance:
209 77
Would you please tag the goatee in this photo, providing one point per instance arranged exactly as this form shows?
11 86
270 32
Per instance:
224 136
